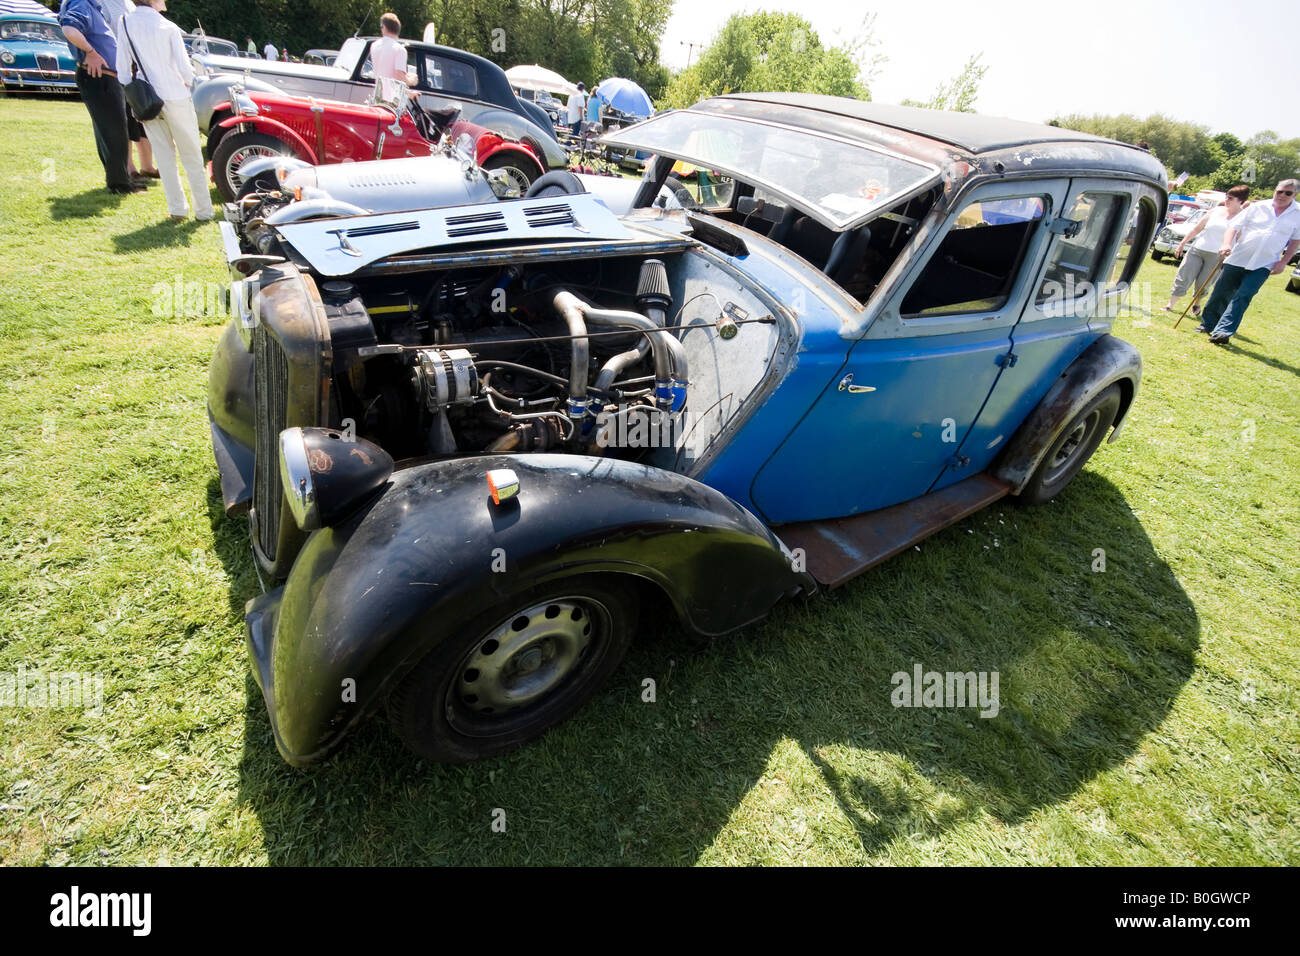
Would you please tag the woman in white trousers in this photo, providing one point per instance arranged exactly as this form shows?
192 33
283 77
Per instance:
154 44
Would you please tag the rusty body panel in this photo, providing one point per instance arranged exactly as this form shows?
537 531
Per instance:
839 549
1107 361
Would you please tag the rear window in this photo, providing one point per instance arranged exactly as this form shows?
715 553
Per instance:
1076 264
443 75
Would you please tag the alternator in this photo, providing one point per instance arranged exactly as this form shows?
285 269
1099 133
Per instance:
445 377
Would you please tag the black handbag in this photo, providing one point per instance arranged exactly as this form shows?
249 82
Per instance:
143 99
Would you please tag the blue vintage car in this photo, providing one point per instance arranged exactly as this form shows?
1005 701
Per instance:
478 443
34 55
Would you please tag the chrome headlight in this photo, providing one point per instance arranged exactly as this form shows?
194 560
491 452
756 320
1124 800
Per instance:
325 473
6 56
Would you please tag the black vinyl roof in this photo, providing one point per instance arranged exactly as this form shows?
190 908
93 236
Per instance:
972 132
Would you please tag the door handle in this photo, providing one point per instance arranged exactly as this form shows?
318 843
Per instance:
846 385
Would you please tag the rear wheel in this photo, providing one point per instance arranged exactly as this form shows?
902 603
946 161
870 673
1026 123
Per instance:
507 678
1072 448
231 152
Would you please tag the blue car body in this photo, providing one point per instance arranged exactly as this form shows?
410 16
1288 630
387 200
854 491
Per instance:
872 322
34 56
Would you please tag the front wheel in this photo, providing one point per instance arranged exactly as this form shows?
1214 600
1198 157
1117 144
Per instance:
1157 255
231 152
507 678
521 170
1293 284
1072 448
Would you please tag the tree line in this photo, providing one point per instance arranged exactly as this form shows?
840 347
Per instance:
1214 161
585 40
589 40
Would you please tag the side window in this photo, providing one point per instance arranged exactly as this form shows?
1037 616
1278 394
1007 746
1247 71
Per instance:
1076 263
977 263
1137 236
450 76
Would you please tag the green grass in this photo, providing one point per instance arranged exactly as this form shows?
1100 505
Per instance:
1149 713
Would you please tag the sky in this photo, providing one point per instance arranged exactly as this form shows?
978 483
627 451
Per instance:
1051 58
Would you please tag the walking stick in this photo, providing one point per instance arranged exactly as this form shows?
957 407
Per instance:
1197 294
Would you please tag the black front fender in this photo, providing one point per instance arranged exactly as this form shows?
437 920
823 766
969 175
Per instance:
367 599
230 417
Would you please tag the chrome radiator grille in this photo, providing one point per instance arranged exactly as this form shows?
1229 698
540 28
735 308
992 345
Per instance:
271 396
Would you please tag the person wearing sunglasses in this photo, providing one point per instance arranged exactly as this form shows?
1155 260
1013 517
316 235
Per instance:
1262 238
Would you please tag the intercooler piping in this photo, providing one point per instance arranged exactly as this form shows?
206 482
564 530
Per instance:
668 354
570 308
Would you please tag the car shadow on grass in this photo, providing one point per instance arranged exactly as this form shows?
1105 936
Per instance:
231 542
782 742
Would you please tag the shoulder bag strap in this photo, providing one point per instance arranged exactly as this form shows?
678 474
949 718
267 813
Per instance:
135 57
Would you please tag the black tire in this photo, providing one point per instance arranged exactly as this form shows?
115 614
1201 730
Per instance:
232 149
558 182
507 678
1157 255
262 181
1072 448
1293 284
518 166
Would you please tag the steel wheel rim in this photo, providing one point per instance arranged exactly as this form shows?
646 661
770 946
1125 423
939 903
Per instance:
1070 448
525 660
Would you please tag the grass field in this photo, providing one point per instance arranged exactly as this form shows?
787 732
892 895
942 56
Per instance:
1149 712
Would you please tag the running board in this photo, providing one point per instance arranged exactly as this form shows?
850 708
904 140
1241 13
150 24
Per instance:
839 549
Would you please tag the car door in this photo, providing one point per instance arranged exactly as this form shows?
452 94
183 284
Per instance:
899 409
1066 314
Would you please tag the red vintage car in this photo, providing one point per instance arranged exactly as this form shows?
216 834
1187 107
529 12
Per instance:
321 132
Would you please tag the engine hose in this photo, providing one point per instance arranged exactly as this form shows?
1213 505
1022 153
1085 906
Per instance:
620 362
570 308
669 355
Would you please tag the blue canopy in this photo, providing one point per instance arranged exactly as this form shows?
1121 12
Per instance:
27 7
625 96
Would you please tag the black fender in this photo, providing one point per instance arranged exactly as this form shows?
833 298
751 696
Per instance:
230 418
368 598
1107 361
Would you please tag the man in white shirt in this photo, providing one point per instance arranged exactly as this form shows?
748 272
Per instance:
577 105
1258 244
270 52
387 56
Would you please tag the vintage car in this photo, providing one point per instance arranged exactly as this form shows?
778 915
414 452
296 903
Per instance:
445 78
1169 236
1293 280
278 190
321 132
204 45
320 57
553 108
34 56
478 443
